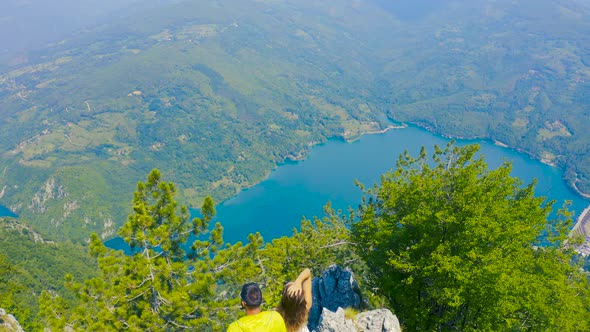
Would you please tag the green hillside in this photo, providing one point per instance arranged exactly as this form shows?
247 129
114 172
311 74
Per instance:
212 94
515 72
215 94
30 265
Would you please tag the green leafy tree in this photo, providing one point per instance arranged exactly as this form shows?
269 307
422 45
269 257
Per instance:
6 286
163 285
455 246
15 293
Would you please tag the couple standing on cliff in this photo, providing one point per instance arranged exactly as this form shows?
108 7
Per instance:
289 316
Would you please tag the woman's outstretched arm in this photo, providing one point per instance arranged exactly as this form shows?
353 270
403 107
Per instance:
303 283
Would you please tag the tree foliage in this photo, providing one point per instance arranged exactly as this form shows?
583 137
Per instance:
164 285
29 265
168 285
7 284
319 243
449 243
455 246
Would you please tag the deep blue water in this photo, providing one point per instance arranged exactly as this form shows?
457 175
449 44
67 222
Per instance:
5 212
296 189
275 206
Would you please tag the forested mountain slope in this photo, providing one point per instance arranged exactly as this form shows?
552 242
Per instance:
216 93
516 72
30 265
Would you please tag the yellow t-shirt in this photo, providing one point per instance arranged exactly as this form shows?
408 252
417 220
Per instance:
265 321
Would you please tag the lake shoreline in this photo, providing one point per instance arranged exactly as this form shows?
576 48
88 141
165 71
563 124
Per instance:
275 206
569 183
303 154
374 132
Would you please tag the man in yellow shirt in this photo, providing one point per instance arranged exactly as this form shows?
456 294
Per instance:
256 320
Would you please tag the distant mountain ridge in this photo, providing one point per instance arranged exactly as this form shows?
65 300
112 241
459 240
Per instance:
29 25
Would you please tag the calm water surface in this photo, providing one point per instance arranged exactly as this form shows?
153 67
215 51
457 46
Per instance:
275 206
4 212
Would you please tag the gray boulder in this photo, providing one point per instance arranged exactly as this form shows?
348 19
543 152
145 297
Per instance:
335 322
381 320
335 288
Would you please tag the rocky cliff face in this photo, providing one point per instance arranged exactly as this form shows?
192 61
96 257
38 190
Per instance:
8 322
337 289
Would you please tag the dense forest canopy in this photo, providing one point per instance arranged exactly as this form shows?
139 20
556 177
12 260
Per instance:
216 93
30 265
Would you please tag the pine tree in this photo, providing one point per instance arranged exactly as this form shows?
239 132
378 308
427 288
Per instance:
164 285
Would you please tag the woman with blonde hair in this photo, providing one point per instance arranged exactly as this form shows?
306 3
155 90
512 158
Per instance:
296 302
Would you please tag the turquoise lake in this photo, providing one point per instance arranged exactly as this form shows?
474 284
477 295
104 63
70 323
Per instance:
296 189
275 206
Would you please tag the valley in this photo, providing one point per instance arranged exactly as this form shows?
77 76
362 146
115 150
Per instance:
217 94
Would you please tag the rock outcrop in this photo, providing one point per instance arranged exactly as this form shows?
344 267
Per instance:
335 288
335 322
8 322
381 320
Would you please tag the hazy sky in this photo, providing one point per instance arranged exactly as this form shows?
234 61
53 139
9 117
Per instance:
31 24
